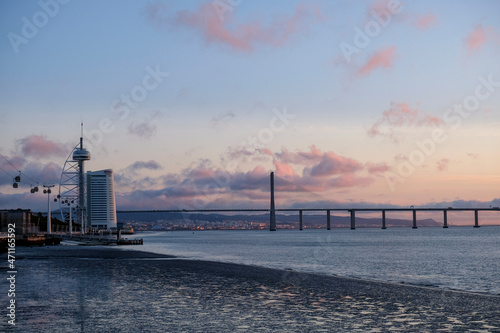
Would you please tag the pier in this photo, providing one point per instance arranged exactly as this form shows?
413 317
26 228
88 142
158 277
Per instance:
100 239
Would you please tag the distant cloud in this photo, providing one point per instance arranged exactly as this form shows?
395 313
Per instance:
301 157
206 21
442 164
318 171
383 58
183 92
473 155
401 115
25 200
424 22
149 165
33 173
479 36
283 169
144 130
222 118
374 168
17 163
350 180
332 164
475 40
382 8
38 146
297 173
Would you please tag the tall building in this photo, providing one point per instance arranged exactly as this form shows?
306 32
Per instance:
101 208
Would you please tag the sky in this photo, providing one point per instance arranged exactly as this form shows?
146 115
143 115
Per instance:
194 103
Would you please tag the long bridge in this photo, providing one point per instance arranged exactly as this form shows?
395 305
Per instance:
328 211
352 211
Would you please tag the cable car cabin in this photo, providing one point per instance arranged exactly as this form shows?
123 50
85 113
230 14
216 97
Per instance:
15 185
17 179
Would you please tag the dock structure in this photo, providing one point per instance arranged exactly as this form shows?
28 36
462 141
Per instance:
100 239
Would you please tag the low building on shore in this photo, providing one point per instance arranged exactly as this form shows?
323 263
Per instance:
20 218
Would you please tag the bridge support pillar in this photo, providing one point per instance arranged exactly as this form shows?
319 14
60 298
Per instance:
476 219
414 219
353 219
445 219
383 220
328 220
272 212
301 226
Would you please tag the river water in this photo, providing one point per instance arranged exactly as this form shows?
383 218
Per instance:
462 258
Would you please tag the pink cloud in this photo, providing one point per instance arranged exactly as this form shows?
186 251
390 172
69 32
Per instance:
39 146
476 39
401 115
301 157
32 173
480 36
350 180
377 168
316 163
214 29
266 151
17 163
383 58
298 174
333 164
201 172
442 164
424 22
383 8
283 169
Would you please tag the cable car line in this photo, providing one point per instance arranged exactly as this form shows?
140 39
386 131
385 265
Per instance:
17 179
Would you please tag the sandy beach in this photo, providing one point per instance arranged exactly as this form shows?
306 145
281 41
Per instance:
111 289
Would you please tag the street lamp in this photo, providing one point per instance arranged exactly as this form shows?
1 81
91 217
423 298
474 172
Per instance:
49 215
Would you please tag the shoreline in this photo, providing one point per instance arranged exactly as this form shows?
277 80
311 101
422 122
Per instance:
319 274
195 295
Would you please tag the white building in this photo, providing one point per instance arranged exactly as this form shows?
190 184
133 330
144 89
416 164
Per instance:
101 208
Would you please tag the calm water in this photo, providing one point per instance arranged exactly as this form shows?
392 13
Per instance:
56 293
463 258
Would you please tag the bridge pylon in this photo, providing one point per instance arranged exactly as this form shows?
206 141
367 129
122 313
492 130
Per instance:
272 211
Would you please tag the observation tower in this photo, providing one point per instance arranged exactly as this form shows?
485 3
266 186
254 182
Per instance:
72 186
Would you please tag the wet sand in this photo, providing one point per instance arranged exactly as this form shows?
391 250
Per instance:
111 289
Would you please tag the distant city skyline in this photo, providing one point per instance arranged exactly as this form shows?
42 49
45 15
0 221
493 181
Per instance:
193 104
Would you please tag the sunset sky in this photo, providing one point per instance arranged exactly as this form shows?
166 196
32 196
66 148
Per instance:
194 103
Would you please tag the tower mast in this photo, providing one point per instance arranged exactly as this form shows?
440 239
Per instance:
81 155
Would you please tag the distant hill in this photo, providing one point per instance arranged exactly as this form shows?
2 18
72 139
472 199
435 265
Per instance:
311 221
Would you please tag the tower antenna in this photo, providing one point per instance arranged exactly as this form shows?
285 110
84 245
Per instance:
81 137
